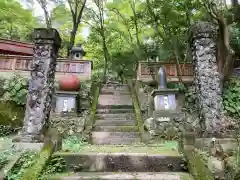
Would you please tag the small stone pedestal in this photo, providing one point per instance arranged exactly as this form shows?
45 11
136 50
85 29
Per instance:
165 99
65 101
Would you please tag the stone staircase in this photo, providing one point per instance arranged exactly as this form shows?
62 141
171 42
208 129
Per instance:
115 122
115 125
117 152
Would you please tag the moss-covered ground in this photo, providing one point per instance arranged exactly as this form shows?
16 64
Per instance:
169 148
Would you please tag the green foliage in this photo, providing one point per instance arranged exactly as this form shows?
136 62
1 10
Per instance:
15 89
40 162
73 144
191 100
25 161
55 165
4 157
231 98
11 117
16 22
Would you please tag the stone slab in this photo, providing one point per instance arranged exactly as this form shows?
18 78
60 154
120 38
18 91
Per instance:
124 162
114 111
28 146
226 143
115 140
129 176
112 115
115 123
115 134
21 146
115 128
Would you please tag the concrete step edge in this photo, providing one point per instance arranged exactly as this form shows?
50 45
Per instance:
124 176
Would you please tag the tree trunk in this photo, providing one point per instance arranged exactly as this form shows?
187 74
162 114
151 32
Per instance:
106 55
47 18
72 39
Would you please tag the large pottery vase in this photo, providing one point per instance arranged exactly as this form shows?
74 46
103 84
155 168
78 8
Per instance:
69 83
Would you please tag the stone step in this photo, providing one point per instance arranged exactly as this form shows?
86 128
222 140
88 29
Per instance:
116 113
116 118
115 123
122 161
114 106
116 128
125 176
115 134
115 141
115 92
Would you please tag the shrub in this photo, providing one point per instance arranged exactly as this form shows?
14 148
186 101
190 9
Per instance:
15 89
11 117
231 97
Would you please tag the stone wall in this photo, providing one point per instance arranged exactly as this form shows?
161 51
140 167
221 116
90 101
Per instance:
69 125
207 78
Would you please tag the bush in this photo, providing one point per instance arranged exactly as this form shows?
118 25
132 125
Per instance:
11 118
15 89
191 100
231 97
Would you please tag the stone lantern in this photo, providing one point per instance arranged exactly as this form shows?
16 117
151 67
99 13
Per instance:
77 52
66 97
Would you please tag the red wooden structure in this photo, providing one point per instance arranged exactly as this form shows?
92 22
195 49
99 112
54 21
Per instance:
15 47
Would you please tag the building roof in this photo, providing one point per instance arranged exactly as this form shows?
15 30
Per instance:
15 47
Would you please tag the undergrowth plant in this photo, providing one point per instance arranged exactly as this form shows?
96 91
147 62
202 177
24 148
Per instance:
15 89
25 161
73 143
231 97
56 165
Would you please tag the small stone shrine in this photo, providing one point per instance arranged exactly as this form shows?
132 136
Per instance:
166 106
67 95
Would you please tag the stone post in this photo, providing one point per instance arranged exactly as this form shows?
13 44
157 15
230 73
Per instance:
206 77
41 84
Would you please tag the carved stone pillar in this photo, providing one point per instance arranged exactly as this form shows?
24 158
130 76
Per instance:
206 77
41 84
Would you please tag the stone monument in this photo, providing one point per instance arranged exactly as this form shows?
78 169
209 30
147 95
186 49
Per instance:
206 77
41 84
166 108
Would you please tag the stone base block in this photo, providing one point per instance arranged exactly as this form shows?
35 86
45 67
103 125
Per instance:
124 162
129 176
28 146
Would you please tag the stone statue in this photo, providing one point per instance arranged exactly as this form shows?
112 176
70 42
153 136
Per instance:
65 109
162 78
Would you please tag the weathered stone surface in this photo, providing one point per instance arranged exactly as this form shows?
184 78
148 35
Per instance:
69 125
114 94
215 165
112 122
113 116
165 124
125 162
115 137
41 84
129 176
206 78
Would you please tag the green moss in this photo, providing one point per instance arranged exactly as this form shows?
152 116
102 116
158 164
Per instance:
41 160
95 91
197 166
137 110
168 148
